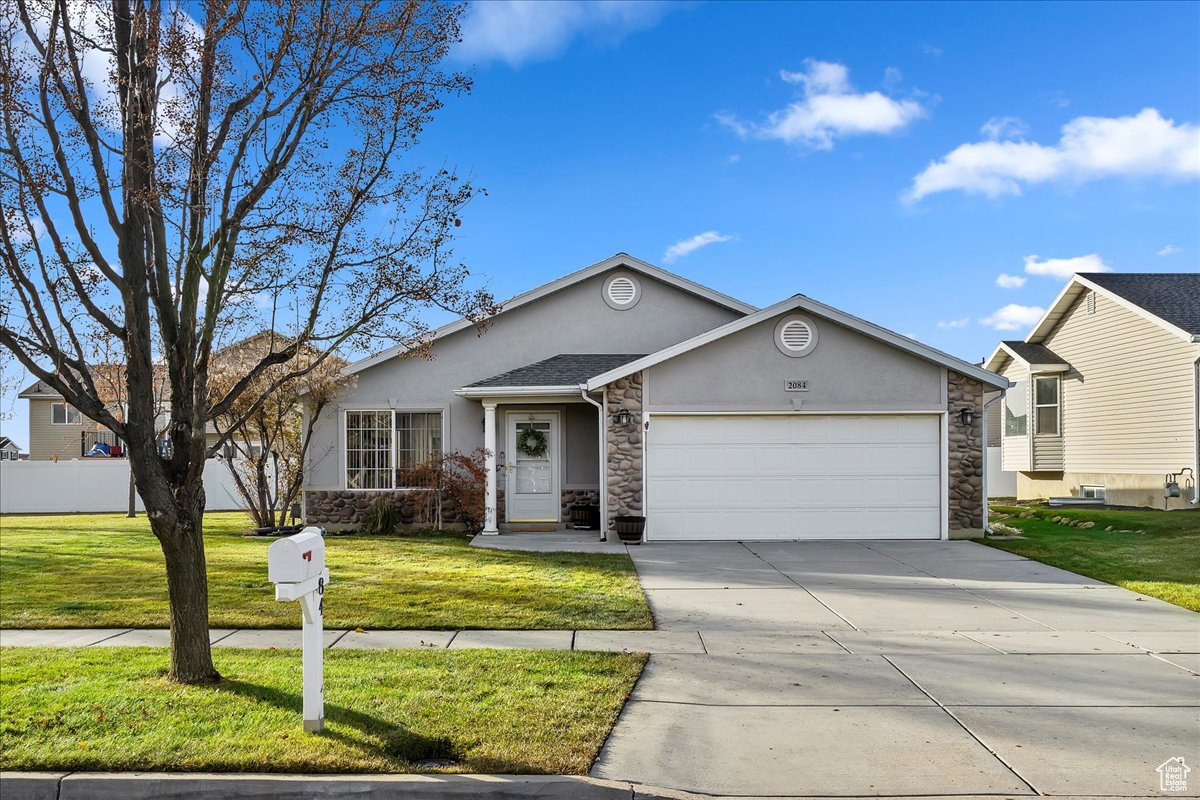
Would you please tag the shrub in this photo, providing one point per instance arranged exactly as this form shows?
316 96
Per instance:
383 517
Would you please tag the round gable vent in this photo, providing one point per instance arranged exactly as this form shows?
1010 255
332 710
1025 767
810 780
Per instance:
622 291
795 336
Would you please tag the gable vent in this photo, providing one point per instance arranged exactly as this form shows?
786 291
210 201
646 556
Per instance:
1091 302
796 335
622 290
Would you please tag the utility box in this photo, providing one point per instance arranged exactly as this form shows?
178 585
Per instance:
297 558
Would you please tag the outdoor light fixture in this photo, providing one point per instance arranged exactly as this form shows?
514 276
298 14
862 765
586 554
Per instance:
967 415
622 417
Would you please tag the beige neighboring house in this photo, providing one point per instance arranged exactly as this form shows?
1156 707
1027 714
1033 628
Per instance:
1105 401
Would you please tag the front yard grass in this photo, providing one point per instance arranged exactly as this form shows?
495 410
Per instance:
1162 561
103 570
486 711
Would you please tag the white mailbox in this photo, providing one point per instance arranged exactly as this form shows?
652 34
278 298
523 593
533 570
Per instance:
296 565
297 558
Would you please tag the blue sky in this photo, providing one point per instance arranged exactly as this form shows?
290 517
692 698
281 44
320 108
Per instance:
891 160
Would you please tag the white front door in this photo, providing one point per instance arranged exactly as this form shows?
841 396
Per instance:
532 493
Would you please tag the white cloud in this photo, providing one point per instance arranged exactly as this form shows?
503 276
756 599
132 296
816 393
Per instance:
1013 317
1006 281
1169 250
954 323
1090 148
688 246
828 110
517 31
998 128
1065 267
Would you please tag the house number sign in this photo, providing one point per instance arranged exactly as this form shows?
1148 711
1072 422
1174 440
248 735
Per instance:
795 385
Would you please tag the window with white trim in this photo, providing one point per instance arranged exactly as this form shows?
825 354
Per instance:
1016 410
1045 406
64 414
1091 492
385 449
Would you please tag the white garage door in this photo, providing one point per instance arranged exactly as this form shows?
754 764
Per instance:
793 477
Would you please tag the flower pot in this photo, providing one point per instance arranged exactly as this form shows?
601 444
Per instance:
629 528
585 517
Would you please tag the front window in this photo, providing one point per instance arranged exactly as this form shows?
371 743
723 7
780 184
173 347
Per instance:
1045 406
64 414
1016 410
418 442
385 448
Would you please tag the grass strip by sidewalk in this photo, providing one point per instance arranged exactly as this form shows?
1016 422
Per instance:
103 570
490 711
1162 561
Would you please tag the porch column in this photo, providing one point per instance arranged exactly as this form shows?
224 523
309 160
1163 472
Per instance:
489 462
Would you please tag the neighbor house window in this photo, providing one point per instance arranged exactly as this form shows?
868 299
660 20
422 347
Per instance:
383 448
1045 406
1091 492
1016 410
64 414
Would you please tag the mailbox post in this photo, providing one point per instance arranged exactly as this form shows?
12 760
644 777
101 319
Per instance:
296 565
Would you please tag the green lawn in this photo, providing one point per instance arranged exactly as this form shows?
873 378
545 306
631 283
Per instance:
498 711
104 570
1162 562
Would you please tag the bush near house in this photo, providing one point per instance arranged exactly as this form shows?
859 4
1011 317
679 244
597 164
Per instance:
1156 553
103 570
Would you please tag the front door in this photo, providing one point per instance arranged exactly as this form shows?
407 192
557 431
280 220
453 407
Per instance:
532 494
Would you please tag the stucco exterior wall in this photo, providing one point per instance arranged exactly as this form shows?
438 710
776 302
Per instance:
573 320
745 371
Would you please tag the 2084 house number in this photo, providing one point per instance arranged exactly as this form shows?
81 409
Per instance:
795 385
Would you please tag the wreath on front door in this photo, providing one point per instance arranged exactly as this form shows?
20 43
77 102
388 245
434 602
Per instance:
532 443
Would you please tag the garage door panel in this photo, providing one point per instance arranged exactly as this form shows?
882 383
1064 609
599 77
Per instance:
794 477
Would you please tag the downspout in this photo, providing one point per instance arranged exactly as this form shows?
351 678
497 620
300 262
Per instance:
987 528
1196 424
603 474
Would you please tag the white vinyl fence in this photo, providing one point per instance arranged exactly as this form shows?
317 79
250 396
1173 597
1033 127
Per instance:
999 482
92 485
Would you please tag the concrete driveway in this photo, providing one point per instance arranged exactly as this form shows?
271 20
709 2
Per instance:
904 668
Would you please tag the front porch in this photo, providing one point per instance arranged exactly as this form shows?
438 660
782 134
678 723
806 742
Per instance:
550 444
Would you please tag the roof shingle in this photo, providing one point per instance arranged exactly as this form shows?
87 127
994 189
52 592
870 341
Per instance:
1032 353
565 369
1172 297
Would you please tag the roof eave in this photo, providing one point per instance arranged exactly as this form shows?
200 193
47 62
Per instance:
475 392
1072 290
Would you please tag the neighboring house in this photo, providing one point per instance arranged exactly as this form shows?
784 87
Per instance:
1105 393
9 450
57 430
656 396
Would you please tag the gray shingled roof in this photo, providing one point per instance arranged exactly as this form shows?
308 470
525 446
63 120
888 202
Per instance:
1033 353
565 369
1172 297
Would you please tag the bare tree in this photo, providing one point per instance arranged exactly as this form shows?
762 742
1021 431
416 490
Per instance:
165 166
267 450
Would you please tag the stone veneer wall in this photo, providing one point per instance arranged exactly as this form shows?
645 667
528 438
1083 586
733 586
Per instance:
624 468
345 509
966 456
570 497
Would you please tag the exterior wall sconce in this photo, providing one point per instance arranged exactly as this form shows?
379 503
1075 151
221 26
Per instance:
967 416
622 417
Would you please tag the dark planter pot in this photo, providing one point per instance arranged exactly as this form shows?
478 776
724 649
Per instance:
629 528
585 517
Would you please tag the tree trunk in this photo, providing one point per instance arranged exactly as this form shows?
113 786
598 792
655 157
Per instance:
182 540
